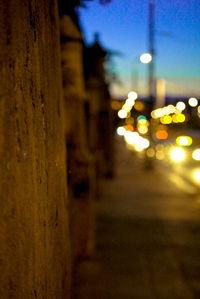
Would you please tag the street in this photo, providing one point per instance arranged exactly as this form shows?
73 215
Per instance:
147 236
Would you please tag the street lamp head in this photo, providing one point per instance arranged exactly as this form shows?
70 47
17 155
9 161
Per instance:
146 58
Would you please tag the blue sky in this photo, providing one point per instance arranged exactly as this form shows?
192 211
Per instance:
123 26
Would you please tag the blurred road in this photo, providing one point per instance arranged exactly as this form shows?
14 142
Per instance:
147 236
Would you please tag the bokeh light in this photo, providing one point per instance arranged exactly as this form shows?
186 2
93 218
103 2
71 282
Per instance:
180 118
150 152
142 129
122 113
159 147
193 102
139 106
116 105
180 106
129 128
161 134
146 58
121 131
130 102
129 121
131 137
196 175
160 155
177 154
167 119
184 140
132 95
196 154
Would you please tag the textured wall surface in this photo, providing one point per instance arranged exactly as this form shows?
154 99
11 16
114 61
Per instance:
34 238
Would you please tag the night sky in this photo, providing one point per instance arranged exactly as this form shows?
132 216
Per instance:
123 26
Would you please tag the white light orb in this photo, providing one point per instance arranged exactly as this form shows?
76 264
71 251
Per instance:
132 95
121 131
122 113
146 58
130 102
193 102
131 137
180 106
196 155
177 154
196 175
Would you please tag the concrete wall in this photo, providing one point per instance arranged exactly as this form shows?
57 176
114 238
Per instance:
34 238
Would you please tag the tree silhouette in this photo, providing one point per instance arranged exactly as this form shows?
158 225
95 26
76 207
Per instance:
68 6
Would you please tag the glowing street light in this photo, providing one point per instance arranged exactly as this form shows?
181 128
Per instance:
146 58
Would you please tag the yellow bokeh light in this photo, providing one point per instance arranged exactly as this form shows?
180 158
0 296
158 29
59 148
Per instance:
177 154
126 108
153 114
142 129
171 108
196 175
143 121
159 147
167 119
139 106
130 102
174 118
160 155
115 105
129 121
184 140
150 152
180 118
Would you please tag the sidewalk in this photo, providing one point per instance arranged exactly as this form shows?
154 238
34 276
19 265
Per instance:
144 246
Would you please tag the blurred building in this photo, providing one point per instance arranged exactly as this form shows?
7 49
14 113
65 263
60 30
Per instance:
100 115
79 159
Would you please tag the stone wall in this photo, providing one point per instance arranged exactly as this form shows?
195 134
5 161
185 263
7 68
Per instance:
34 238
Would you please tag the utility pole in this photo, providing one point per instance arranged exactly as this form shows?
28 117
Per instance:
151 45
148 163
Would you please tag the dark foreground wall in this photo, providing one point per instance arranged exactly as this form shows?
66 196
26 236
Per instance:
34 245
